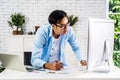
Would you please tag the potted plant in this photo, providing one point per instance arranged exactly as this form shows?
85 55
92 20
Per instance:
1 67
72 20
16 23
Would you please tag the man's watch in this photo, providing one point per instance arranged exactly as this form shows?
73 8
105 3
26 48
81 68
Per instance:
44 65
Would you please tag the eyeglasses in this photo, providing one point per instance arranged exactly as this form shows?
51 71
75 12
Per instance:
62 26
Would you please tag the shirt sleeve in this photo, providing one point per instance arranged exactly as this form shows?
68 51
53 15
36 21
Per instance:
73 42
39 41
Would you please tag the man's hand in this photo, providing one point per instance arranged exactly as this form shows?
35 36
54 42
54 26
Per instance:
83 62
54 66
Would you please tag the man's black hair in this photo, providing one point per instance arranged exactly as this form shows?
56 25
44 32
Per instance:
56 16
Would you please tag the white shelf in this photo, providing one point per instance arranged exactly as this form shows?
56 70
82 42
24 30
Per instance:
116 32
114 13
116 51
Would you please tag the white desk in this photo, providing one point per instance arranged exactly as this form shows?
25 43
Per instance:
72 75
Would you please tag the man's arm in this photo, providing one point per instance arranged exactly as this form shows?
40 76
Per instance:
36 60
73 42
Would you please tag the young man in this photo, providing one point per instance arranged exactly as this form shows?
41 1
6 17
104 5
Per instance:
50 43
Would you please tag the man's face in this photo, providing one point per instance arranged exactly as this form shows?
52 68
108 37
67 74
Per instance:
61 28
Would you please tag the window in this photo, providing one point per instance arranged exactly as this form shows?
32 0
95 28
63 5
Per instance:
114 13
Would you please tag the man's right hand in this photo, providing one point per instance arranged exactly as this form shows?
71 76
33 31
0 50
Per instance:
54 66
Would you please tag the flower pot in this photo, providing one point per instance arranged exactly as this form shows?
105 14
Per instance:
20 32
15 32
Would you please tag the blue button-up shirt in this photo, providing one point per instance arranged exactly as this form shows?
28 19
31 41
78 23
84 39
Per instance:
43 44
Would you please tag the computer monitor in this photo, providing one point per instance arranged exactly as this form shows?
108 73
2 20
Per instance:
100 44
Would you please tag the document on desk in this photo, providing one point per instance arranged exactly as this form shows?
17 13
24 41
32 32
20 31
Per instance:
65 70
47 71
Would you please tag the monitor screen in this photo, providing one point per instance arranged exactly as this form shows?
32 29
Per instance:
100 34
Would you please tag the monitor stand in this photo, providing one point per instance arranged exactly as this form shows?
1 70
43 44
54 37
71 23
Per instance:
106 63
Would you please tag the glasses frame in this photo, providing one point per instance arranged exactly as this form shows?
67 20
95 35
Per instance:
62 26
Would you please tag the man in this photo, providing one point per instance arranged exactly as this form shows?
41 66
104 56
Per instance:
50 42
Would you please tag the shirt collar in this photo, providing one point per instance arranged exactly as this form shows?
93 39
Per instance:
50 31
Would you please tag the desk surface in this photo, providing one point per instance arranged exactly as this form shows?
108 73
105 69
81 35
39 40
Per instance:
66 74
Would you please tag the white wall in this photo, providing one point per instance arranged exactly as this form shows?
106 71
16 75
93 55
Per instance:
37 11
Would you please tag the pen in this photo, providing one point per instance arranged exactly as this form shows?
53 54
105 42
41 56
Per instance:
56 61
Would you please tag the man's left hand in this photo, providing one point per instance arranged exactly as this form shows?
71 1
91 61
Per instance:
83 62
